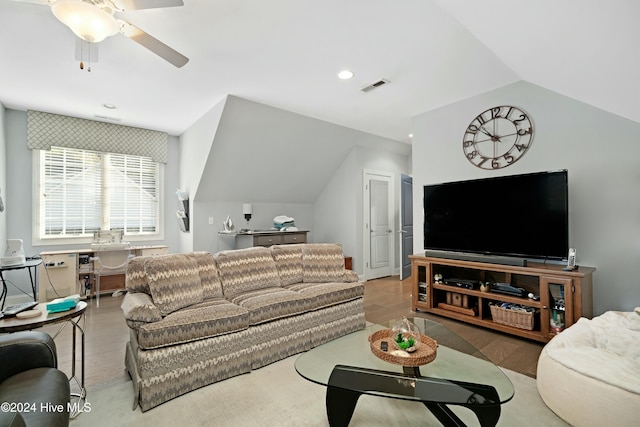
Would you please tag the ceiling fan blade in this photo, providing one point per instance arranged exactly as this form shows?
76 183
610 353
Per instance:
147 4
153 44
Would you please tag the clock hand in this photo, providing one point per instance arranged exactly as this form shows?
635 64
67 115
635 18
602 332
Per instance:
494 138
486 132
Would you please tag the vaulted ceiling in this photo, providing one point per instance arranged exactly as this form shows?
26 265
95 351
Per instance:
286 53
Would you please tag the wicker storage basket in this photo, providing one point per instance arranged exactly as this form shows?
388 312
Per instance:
515 318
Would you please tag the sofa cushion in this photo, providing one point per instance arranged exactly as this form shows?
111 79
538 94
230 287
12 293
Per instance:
138 307
288 260
350 276
203 320
136 278
322 262
174 282
321 295
268 304
245 270
209 276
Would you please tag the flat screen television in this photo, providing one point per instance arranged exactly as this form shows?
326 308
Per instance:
521 216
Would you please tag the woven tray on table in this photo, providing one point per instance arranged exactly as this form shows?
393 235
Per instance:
425 353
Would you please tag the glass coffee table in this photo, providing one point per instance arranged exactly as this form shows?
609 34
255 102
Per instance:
459 375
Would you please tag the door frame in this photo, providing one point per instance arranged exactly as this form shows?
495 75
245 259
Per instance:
367 174
403 231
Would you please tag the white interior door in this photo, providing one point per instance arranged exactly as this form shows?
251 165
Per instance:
378 210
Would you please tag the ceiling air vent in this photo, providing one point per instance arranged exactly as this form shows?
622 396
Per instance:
375 85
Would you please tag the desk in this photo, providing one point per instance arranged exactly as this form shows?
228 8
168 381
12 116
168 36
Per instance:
29 265
68 272
73 317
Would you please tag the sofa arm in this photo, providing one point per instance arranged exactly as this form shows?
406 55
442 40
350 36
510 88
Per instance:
350 276
138 307
26 350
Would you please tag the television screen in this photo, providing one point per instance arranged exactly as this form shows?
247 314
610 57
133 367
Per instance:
522 216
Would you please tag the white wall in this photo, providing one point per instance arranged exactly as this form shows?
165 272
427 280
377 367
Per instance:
338 212
284 164
3 179
600 150
195 148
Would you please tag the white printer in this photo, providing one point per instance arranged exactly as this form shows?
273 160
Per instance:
14 255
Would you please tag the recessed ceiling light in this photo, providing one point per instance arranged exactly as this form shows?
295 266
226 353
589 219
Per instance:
109 106
345 75
410 135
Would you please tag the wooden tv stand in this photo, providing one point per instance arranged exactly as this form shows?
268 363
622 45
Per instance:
548 281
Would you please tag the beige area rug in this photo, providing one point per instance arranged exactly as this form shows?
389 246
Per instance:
276 395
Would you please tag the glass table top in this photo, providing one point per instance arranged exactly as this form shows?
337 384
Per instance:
456 360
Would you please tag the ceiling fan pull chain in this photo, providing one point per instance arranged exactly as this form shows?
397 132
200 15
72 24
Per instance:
89 59
81 55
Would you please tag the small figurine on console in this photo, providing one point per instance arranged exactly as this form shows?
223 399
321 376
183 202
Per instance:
437 278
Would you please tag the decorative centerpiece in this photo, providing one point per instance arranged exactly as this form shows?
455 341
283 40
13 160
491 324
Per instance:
406 335
403 345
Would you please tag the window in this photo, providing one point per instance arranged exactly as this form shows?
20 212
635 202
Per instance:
81 191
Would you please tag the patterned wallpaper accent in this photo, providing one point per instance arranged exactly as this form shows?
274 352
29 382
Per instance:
45 130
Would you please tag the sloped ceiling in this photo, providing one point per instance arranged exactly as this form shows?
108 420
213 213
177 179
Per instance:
588 50
286 53
265 154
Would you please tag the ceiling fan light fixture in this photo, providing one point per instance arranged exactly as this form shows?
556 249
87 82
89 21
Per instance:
87 21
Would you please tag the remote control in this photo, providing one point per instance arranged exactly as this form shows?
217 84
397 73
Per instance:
17 308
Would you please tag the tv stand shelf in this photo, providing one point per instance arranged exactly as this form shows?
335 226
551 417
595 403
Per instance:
565 296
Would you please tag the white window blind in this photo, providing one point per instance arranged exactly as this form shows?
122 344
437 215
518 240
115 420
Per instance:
84 191
71 193
133 194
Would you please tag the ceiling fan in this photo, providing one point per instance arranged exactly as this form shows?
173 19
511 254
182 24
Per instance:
94 20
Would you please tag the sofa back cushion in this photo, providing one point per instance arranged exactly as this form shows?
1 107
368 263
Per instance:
209 276
244 270
322 262
136 278
288 260
174 282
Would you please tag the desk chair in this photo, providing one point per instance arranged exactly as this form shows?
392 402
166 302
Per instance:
109 262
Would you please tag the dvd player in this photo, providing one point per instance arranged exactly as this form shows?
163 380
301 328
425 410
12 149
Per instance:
462 283
507 289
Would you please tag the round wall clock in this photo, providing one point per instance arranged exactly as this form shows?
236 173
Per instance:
497 137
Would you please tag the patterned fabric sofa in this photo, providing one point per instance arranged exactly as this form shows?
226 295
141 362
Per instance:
199 318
